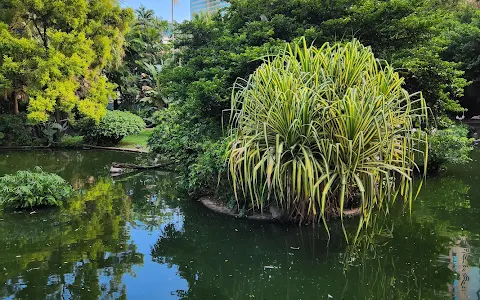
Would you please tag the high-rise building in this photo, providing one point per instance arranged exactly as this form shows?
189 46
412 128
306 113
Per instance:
199 6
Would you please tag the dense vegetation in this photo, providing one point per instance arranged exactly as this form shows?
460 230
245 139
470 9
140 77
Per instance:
145 51
320 130
422 40
15 131
26 189
63 62
54 53
450 145
112 128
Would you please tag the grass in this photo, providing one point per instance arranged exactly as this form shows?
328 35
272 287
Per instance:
70 141
137 141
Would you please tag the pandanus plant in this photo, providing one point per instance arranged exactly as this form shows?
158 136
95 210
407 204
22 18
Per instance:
319 130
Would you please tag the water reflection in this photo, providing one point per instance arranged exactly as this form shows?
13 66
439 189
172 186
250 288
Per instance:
140 237
80 250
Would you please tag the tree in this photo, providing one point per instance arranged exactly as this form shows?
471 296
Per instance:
144 50
214 51
54 55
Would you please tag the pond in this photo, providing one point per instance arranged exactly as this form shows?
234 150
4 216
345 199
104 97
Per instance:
140 237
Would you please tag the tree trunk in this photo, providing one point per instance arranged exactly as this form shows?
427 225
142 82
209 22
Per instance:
115 104
15 103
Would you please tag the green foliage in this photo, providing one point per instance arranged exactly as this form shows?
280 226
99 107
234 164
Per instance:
465 41
136 140
71 141
112 128
320 130
197 84
144 52
207 168
212 51
26 189
54 53
15 131
410 34
151 89
183 137
449 146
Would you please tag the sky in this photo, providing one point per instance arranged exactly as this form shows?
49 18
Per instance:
162 8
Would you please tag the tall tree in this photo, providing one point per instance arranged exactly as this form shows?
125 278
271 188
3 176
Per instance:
55 52
144 49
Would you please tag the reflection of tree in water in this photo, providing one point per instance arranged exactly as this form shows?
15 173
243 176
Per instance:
72 165
81 250
400 257
155 200
172 249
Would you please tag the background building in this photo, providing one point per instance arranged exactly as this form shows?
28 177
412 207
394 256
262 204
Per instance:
198 6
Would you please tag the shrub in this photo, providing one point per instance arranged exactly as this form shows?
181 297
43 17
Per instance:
112 128
203 174
449 146
320 130
192 143
14 131
31 189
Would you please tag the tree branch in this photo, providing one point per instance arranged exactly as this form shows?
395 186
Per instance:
42 36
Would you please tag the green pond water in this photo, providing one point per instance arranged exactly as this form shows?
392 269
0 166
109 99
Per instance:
140 237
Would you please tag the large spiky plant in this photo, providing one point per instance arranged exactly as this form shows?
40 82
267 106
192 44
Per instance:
319 130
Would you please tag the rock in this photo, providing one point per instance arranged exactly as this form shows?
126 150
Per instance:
277 212
220 207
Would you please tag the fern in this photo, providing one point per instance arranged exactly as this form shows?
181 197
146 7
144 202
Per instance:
26 189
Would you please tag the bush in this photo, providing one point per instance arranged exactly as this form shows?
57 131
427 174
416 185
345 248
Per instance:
322 130
203 176
192 143
14 131
449 146
32 189
112 128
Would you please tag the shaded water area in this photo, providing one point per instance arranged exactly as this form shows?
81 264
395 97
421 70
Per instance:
140 237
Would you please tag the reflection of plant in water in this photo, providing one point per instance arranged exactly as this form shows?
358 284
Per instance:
173 248
155 199
73 166
393 268
449 194
92 225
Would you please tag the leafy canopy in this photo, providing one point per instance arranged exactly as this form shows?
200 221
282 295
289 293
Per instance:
54 52
213 51
449 146
144 50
